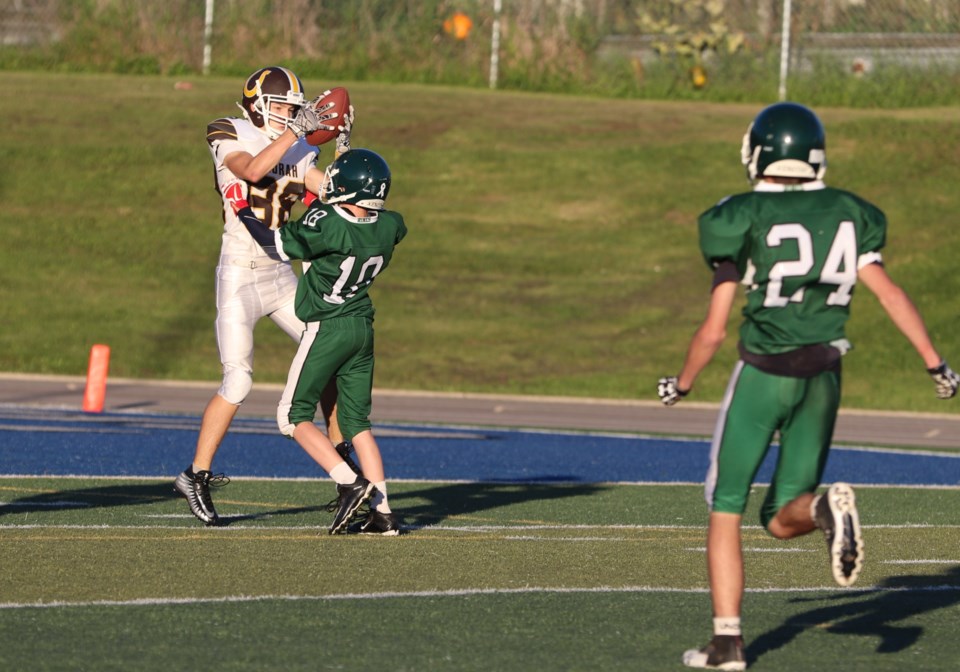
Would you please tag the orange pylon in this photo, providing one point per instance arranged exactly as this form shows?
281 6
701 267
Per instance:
96 391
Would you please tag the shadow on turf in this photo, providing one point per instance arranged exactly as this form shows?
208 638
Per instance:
873 612
442 501
457 499
126 494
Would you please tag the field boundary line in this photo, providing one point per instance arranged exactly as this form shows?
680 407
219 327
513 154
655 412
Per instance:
462 481
239 527
456 592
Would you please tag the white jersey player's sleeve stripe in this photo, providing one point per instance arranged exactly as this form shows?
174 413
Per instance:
279 243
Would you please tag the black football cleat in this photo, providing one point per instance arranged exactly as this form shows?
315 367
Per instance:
349 500
195 488
724 652
835 512
383 524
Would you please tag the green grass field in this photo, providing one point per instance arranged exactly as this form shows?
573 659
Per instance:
552 251
552 245
113 574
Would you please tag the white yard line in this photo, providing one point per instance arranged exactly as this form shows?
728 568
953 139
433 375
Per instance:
414 528
461 592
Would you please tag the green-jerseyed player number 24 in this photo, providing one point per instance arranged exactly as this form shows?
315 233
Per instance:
839 268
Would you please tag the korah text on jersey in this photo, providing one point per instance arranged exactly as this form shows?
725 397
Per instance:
285 170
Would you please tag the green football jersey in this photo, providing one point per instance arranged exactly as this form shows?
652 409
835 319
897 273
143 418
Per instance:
797 250
345 253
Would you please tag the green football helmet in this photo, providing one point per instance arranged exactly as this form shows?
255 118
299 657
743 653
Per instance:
358 176
785 140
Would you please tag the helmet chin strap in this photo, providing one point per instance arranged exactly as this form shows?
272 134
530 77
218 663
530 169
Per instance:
266 115
267 129
270 131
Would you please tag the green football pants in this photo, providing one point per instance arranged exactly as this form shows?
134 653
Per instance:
755 407
341 347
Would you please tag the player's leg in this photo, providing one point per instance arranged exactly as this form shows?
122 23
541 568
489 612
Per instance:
834 512
370 459
805 443
238 309
216 420
328 409
319 356
749 416
355 385
195 481
284 315
725 566
287 320
354 398
794 518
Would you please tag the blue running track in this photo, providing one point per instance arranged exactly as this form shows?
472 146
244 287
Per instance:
51 442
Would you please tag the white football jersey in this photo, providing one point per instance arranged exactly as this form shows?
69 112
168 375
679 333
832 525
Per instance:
271 198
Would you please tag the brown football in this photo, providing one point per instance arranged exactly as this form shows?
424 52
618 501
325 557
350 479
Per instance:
341 105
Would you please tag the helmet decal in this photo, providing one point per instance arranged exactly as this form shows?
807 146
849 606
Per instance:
360 177
266 87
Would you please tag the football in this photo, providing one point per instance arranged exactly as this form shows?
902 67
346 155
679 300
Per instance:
341 105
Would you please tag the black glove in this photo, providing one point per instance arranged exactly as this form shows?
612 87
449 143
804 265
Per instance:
668 391
946 380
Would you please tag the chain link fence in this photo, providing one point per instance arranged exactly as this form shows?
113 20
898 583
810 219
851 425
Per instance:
839 51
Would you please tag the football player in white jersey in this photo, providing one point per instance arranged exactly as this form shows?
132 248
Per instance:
261 159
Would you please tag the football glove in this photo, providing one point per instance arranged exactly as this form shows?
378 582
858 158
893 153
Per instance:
668 391
945 380
346 125
309 119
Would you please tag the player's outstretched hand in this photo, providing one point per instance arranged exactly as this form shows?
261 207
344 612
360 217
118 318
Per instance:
308 120
945 379
346 125
668 391
323 112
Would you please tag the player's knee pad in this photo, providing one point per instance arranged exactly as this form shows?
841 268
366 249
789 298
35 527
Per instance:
283 419
236 385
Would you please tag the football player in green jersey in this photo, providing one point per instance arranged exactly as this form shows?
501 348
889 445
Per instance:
799 247
348 237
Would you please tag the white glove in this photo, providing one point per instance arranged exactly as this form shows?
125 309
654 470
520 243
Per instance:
668 391
346 125
945 379
310 118
306 120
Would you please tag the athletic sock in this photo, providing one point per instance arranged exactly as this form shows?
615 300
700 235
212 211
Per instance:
726 626
379 499
813 509
343 474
